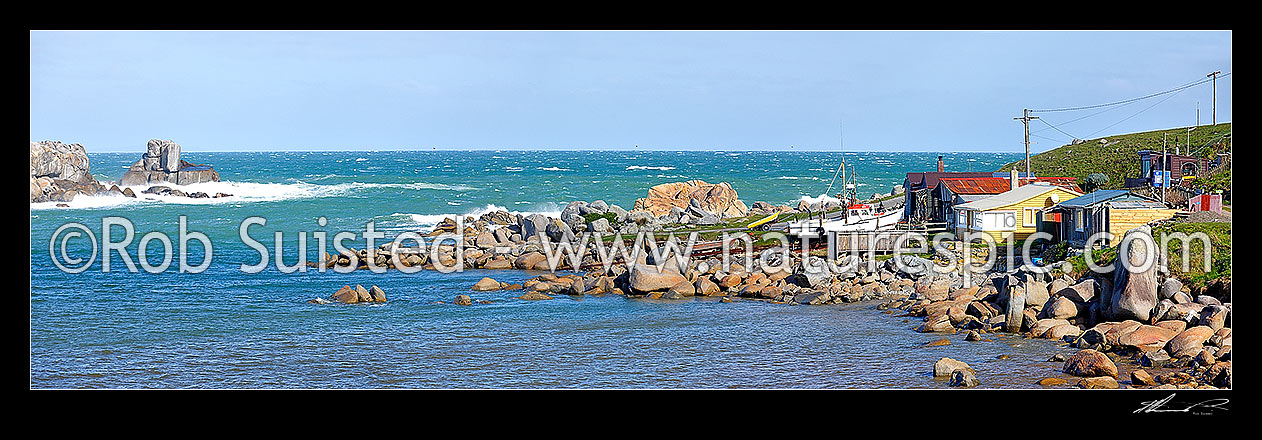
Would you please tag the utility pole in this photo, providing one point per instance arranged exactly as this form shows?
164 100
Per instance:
1164 183
1215 81
1025 120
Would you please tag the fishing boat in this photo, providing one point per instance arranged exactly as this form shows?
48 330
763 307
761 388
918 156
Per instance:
857 217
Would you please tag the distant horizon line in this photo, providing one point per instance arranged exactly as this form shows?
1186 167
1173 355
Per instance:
185 149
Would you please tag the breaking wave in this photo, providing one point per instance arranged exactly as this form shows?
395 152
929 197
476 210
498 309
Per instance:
401 221
241 192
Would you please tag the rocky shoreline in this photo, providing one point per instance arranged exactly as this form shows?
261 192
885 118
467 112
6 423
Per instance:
1143 328
1160 334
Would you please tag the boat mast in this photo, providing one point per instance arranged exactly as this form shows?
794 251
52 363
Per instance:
845 207
841 169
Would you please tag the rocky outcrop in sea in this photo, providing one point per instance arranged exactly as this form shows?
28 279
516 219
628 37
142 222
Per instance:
60 172
162 164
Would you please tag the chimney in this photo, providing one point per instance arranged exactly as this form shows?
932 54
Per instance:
1016 181
940 165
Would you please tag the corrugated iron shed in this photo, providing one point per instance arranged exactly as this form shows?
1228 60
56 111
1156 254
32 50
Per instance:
996 185
976 185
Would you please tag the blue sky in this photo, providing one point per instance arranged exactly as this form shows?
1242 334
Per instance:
890 91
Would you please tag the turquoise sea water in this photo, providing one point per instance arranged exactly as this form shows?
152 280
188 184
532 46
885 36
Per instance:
224 328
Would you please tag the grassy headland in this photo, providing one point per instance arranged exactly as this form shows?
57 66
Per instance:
1116 157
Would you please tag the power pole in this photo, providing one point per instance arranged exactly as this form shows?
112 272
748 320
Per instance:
1164 183
1025 120
1215 81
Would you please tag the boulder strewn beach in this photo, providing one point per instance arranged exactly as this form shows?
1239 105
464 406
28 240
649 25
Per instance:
1077 312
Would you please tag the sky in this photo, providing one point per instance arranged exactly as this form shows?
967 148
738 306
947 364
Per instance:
576 90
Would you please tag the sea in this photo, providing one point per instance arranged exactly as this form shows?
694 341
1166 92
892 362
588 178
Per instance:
222 326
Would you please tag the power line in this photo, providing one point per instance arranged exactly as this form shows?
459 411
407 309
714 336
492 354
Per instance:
1087 116
1049 124
1176 89
1211 142
1131 116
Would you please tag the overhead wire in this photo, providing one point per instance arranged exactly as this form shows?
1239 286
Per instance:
1127 101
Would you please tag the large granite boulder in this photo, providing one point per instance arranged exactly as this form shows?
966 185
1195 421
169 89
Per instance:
1082 292
162 164
558 231
1189 342
533 224
945 366
1015 303
572 215
163 155
59 172
56 160
1146 337
1134 294
716 198
1090 363
1036 294
647 278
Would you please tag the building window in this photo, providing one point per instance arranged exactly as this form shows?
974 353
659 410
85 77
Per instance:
1078 219
1028 217
1189 168
1000 221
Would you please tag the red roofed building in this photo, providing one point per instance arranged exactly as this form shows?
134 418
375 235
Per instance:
927 200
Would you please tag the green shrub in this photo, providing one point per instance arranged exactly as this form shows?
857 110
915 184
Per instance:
595 216
1094 181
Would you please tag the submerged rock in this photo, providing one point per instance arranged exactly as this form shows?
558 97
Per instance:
1101 382
346 295
534 296
487 284
378 295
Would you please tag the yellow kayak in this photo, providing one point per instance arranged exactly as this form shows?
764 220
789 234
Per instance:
764 223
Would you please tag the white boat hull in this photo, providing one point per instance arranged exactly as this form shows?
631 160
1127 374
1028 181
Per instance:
864 223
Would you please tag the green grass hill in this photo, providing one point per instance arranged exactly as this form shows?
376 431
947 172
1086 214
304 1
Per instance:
1116 156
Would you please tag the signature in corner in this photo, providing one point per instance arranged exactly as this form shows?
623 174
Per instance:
1159 406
